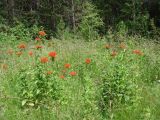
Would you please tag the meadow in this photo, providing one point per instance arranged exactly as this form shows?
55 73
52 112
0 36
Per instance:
72 79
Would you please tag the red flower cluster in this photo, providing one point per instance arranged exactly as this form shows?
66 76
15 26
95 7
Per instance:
62 77
19 53
138 52
122 46
88 61
4 66
73 73
37 39
22 46
10 52
52 54
49 72
67 65
42 33
113 54
30 53
44 59
63 71
38 47
107 46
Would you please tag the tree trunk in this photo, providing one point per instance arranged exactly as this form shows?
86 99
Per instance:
10 9
73 15
37 4
53 20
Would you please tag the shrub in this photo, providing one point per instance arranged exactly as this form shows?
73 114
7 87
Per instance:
37 86
90 22
120 86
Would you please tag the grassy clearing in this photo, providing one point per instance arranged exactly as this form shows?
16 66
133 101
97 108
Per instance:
118 86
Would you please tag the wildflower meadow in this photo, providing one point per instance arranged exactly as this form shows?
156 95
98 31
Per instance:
77 80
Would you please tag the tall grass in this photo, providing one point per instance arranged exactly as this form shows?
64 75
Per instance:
120 86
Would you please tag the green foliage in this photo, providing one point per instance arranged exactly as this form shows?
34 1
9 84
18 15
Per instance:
90 22
151 67
36 87
131 12
137 19
119 85
139 25
87 18
155 32
18 32
63 32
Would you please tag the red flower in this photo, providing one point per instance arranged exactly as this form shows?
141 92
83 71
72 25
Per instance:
63 71
73 73
44 59
62 77
19 53
122 46
113 54
52 54
38 47
4 66
37 39
138 52
88 61
42 33
30 53
67 65
10 52
22 46
107 46
49 72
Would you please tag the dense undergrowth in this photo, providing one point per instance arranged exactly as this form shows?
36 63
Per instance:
113 77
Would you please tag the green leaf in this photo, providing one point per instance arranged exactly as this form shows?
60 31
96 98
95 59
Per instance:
31 104
24 102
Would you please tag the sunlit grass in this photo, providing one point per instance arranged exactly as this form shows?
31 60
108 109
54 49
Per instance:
81 95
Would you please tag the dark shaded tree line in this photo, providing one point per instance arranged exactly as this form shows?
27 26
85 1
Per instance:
136 14
47 12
